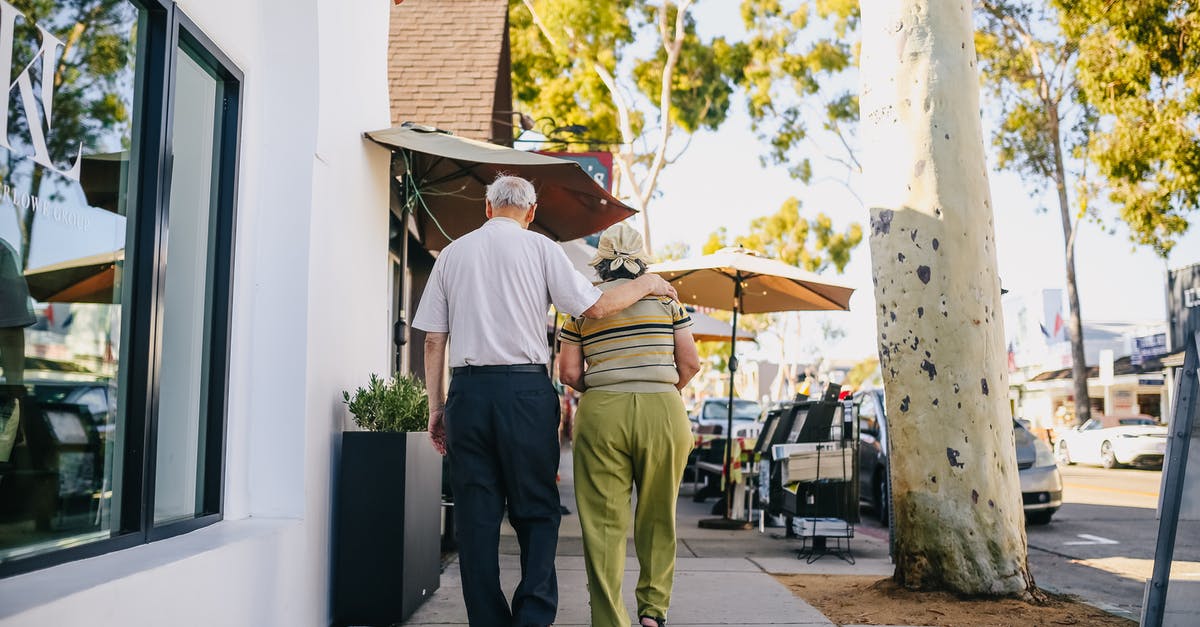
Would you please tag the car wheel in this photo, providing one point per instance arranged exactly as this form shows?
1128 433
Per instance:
1064 454
1107 457
1040 517
882 501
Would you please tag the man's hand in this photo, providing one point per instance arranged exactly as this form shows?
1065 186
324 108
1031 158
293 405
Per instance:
437 429
660 287
622 296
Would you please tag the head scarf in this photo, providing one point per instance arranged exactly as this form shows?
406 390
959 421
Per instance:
620 245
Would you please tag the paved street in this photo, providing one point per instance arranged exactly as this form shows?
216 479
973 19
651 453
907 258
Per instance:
1100 545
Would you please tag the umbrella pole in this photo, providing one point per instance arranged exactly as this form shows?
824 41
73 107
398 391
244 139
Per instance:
733 366
728 522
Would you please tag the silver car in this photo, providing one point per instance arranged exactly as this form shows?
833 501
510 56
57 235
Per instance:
713 414
1041 483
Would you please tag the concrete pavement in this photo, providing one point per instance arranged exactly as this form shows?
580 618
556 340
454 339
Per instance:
722 577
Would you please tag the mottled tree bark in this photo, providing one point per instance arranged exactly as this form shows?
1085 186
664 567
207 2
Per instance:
957 510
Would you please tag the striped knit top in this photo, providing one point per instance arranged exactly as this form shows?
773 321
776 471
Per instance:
631 351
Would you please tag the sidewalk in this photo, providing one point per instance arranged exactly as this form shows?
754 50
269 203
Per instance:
721 577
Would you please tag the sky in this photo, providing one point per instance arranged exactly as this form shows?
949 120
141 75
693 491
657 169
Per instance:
719 182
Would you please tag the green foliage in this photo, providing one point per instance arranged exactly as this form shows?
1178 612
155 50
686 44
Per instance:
1139 68
787 236
555 66
1113 86
1025 62
703 82
558 79
796 49
586 63
864 374
672 250
397 405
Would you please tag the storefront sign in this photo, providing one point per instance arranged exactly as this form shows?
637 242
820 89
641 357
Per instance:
1148 347
37 108
1183 305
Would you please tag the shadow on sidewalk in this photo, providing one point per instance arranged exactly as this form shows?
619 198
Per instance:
721 578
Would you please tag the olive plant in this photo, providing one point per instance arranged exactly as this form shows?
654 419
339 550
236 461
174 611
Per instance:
396 404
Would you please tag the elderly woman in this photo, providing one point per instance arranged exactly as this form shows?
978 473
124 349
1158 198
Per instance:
631 432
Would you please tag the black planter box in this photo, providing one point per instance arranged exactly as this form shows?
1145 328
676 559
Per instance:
386 527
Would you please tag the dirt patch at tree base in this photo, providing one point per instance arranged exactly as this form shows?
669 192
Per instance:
858 600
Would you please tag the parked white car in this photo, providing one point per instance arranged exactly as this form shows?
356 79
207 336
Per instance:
1113 441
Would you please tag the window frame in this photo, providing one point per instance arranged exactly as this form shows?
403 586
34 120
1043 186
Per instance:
168 33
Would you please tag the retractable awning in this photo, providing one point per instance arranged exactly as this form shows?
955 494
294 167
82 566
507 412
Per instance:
444 178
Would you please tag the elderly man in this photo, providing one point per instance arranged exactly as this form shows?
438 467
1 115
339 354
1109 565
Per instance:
488 294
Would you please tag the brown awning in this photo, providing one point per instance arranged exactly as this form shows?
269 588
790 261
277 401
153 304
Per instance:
447 176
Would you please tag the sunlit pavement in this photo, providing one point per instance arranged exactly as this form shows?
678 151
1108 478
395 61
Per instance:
1100 545
722 577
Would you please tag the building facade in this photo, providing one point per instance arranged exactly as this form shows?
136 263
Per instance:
1039 361
195 266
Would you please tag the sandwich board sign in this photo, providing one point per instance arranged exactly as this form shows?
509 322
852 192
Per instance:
1167 602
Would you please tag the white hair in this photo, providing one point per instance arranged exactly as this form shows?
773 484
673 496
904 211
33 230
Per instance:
511 191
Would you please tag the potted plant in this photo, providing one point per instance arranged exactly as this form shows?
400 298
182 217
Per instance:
388 505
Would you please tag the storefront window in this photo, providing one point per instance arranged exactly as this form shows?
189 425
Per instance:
66 153
117 172
183 391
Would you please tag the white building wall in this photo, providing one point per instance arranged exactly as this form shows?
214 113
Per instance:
310 320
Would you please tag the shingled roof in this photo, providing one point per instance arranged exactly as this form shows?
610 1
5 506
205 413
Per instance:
448 66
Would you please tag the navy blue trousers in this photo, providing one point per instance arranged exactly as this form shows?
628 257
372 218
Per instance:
502 431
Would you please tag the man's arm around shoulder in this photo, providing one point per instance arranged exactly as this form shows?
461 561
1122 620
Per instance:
622 296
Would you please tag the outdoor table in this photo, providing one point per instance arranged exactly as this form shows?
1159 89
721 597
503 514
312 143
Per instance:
743 469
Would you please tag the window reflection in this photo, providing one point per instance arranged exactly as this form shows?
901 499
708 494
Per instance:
183 384
63 229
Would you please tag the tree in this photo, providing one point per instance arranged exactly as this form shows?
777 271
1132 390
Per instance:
1078 84
864 374
798 50
1138 68
575 62
953 470
673 250
1028 64
812 244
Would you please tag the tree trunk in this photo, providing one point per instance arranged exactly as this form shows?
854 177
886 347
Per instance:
1079 369
957 513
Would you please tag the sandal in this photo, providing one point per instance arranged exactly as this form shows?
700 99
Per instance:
658 622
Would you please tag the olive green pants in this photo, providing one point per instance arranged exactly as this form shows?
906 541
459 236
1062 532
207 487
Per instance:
626 441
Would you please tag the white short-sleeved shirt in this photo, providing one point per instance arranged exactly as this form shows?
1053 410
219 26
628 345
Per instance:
491 290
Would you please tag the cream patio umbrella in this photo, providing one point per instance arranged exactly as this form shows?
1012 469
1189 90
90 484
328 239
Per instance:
742 281
706 328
